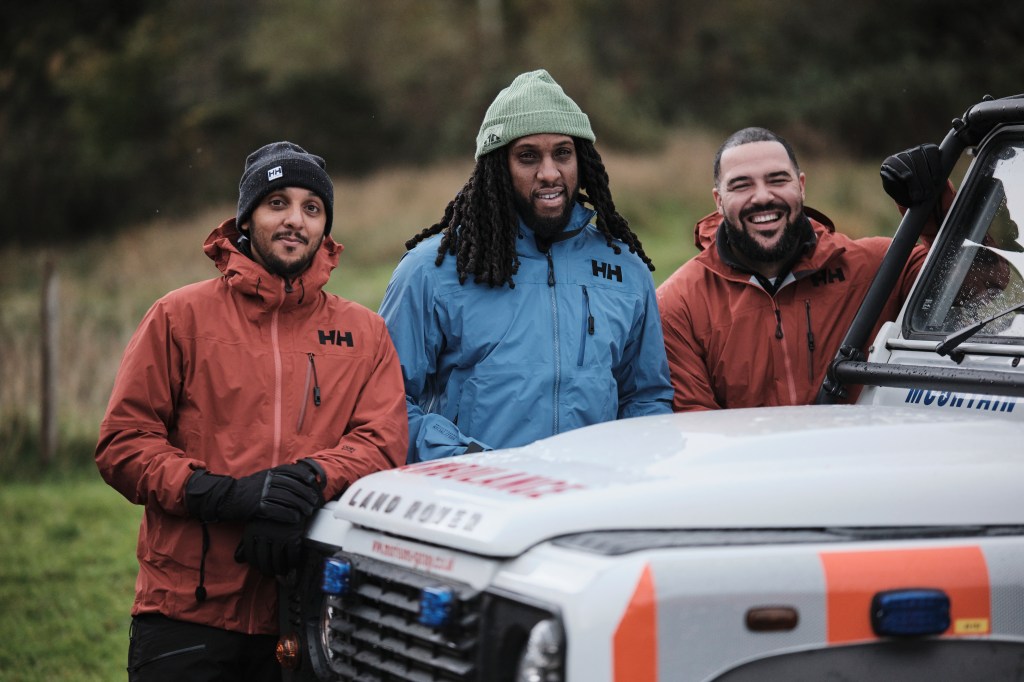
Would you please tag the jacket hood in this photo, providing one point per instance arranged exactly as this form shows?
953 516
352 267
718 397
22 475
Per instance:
250 278
706 229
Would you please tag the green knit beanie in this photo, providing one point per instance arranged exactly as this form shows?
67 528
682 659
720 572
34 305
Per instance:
534 103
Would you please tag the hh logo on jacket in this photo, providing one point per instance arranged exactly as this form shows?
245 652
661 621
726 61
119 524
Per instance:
336 337
607 271
828 277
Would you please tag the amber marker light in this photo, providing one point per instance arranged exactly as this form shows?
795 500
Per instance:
287 652
772 618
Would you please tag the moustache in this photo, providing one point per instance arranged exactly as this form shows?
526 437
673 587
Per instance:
291 235
758 208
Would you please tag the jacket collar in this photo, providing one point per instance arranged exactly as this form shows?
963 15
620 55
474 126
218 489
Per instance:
249 278
578 221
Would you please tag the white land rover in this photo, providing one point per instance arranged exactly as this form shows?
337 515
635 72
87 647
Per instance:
877 541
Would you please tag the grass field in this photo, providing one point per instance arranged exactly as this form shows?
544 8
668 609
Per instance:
67 567
67 571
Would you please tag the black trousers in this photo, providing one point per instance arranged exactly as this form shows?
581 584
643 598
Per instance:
166 650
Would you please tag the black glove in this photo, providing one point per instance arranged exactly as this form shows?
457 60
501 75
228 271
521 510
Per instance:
910 177
272 547
292 492
286 493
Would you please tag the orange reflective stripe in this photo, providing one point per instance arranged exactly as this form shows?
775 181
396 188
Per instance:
635 645
853 578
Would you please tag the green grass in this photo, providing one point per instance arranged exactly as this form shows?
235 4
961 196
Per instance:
67 575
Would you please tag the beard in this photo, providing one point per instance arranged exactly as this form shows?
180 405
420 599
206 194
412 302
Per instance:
275 264
545 226
784 249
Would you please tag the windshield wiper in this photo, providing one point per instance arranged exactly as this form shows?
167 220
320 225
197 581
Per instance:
950 343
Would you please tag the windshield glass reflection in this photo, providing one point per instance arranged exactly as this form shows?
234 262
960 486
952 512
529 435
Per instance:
981 271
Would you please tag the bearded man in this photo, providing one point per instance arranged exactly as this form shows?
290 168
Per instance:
243 403
515 317
756 317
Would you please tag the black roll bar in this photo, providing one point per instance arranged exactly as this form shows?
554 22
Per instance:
976 123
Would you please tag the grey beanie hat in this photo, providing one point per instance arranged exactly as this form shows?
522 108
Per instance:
533 103
283 164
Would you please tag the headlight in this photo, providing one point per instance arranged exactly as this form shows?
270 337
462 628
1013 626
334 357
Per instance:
525 638
327 635
541 659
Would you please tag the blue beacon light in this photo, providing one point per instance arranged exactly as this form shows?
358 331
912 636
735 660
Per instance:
436 606
336 576
910 613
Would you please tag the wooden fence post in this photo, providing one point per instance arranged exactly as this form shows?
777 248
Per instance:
50 336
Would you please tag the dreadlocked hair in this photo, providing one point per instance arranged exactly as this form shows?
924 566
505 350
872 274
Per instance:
594 181
480 226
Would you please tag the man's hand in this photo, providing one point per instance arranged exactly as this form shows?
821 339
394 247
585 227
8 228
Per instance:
910 177
291 492
287 494
272 547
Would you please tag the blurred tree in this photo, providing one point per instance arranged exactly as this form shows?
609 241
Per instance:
45 183
416 67
115 110
864 78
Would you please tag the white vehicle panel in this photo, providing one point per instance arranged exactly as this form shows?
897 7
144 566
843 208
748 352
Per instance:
790 467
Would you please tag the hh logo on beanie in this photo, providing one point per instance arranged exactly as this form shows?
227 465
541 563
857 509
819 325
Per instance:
283 164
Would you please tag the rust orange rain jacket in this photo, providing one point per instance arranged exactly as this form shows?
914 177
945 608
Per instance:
730 343
235 375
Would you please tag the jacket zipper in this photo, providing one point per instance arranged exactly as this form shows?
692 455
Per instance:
278 388
790 382
588 326
311 378
810 342
558 354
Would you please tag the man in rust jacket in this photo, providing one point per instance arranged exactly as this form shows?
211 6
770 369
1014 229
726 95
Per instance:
241 404
755 318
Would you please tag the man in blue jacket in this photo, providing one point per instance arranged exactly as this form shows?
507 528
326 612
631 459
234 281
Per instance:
515 317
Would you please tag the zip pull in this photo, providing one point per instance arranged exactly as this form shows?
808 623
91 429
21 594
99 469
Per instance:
778 323
590 316
810 341
551 269
316 382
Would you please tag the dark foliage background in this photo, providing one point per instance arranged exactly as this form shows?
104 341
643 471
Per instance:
113 111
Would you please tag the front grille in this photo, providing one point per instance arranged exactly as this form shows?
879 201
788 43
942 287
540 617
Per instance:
372 633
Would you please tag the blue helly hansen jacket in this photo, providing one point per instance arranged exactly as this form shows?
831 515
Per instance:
577 341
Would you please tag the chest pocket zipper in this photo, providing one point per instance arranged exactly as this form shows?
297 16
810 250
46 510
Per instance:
311 378
588 327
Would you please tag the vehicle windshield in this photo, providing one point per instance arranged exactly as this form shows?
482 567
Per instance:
981 270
